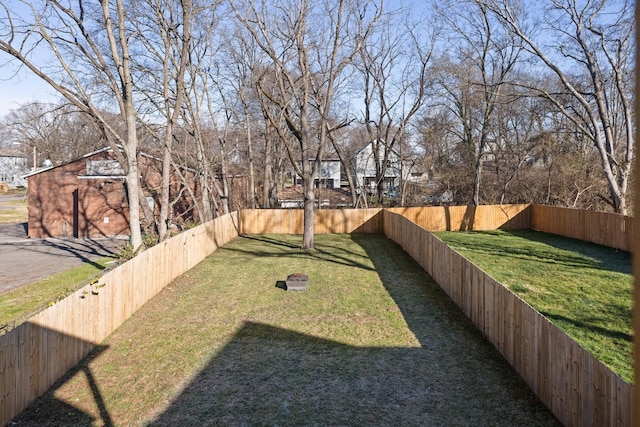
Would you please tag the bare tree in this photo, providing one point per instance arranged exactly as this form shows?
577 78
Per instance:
243 67
167 26
394 69
57 132
474 77
207 113
588 48
173 23
87 60
309 46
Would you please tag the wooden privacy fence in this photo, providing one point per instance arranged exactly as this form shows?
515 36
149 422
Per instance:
35 354
436 218
466 218
576 386
290 221
603 228
578 389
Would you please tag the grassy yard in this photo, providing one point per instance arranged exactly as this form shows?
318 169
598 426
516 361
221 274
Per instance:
13 211
583 288
373 341
18 305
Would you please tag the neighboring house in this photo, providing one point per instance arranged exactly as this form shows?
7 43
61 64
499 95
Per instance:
292 198
13 165
329 175
365 169
87 197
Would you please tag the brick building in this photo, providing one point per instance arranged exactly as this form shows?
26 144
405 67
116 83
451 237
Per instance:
87 197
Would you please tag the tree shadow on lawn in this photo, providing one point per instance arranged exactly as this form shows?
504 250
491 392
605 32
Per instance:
322 251
266 375
602 257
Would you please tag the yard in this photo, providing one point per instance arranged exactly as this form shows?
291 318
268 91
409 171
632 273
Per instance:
583 288
13 208
373 341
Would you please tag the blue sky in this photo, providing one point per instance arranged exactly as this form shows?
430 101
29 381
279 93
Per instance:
21 88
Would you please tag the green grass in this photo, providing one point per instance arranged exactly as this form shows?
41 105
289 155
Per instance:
583 288
13 211
14 214
18 305
373 341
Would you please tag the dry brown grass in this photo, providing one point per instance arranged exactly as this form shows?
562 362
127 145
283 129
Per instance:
13 211
373 341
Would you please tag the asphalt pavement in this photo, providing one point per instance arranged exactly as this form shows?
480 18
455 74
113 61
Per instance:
24 260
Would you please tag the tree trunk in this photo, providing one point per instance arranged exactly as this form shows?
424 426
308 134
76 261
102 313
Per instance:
477 176
266 182
133 187
252 179
309 203
224 196
164 193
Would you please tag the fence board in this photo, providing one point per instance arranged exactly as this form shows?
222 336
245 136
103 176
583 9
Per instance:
603 228
459 218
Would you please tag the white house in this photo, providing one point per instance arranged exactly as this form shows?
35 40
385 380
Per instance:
365 169
13 165
329 174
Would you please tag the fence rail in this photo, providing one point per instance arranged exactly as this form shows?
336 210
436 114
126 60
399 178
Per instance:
573 384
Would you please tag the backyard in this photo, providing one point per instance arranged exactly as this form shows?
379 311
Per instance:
372 341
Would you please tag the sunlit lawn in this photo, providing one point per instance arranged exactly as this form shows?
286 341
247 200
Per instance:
19 304
583 288
13 212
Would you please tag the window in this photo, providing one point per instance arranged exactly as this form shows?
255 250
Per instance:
104 168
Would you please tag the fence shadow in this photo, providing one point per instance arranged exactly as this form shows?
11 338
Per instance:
40 340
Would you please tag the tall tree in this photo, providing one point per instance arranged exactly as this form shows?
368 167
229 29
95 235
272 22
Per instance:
167 25
309 45
394 70
589 48
82 51
474 76
57 132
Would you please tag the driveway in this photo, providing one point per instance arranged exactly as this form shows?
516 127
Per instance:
24 260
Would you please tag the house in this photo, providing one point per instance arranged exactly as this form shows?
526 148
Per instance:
365 169
87 197
13 165
292 198
329 174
